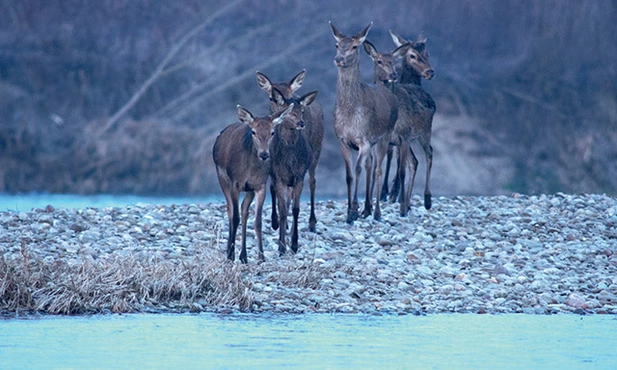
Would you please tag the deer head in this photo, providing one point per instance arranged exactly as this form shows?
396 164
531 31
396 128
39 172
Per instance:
298 105
417 56
385 63
262 128
347 54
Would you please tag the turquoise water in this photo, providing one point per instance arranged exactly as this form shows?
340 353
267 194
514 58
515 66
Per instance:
456 341
24 203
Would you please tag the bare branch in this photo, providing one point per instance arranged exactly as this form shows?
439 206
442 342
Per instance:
160 68
213 90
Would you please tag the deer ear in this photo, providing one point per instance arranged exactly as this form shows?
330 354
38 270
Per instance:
308 99
398 40
421 38
264 82
362 35
338 35
280 116
297 81
370 49
401 50
244 115
278 97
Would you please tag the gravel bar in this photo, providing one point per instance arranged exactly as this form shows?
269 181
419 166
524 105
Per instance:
540 254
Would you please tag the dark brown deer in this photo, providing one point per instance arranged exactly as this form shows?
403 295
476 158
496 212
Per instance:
241 154
292 157
384 65
313 129
363 115
418 109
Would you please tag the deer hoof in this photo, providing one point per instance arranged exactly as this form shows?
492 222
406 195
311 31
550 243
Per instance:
427 201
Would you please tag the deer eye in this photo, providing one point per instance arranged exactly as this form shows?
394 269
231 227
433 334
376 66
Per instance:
253 132
379 62
411 56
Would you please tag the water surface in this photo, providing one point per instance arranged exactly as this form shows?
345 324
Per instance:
457 341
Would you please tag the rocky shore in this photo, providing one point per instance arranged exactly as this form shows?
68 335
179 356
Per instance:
500 254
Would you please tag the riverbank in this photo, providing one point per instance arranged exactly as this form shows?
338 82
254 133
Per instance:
518 254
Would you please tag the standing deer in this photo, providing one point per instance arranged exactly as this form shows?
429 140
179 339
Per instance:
384 65
363 115
241 154
416 107
292 156
313 129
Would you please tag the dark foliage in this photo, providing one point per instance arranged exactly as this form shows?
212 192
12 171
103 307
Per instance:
541 85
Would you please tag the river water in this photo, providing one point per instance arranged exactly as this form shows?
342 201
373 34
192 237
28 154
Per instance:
449 341
322 341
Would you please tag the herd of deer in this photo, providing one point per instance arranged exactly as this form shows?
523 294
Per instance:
373 118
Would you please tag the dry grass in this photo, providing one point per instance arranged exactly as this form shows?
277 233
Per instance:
120 284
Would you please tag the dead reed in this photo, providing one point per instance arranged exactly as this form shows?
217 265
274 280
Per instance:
120 284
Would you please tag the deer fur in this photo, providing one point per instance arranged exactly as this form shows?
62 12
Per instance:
416 111
313 129
241 154
292 157
363 115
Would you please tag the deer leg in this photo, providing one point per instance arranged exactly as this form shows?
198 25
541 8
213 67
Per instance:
261 197
352 209
403 160
428 151
413 167
283 209
295 209
384 188
312 183
364 153
234 218
379 153
396 184
246 203
370 180
275 217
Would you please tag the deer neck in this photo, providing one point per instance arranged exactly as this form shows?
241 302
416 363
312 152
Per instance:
409 75
348 90
288 136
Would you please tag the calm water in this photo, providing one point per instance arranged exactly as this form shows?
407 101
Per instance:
24 203
454 341
306 341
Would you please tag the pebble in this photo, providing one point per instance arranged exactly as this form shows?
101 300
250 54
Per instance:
482 254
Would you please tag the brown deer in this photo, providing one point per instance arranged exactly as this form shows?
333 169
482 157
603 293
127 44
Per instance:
313 129
384 65
241 154
363 115
292 157
416 108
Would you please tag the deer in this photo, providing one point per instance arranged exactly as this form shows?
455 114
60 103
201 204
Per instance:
416 107
364 116
313 118
292 156
241 154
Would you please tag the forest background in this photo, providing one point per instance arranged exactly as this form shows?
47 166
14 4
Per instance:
127 96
